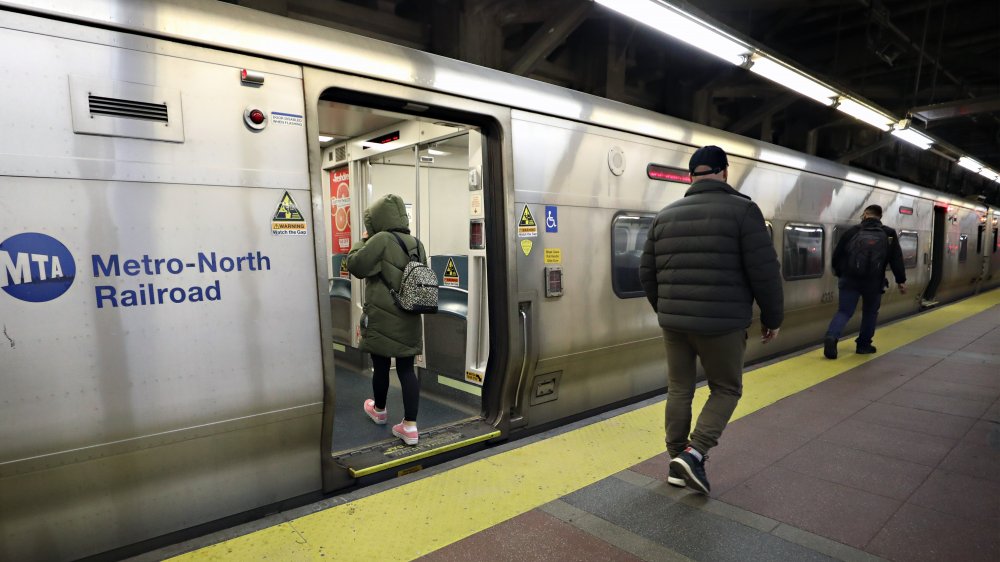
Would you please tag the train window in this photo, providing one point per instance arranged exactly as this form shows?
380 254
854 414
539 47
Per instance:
628 233
979 239
996 240
803 251
963 248
908 243
770 230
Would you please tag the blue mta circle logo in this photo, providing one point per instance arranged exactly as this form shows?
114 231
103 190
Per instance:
35 267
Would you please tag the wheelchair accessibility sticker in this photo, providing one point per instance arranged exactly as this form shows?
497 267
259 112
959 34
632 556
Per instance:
551 218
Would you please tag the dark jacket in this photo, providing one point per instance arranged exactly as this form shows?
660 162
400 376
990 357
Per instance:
895 258
385 329
707 258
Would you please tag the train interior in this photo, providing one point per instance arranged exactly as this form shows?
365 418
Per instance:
436 168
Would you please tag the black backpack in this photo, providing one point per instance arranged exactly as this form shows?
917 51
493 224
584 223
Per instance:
418 292
867 253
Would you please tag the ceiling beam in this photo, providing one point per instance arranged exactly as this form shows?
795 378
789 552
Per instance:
885 141
756 117
563 20
953 109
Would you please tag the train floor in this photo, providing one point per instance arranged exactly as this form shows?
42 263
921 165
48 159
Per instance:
891 456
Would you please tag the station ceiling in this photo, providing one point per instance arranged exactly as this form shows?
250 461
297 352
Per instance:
936 62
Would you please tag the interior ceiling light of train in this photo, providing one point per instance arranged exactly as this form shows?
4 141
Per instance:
906 89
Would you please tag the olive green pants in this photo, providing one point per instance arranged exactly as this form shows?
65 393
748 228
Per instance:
722 357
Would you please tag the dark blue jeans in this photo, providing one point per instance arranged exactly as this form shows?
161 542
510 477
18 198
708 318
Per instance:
871 300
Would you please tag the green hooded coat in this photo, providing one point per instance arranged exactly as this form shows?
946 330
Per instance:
385 329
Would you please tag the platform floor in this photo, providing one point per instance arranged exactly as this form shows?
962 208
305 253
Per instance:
888 456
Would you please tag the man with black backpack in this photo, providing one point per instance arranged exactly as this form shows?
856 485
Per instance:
860 260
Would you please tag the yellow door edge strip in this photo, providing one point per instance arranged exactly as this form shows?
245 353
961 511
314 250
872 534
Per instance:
446 507
424 455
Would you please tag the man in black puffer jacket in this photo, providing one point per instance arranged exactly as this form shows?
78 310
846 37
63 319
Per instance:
707 258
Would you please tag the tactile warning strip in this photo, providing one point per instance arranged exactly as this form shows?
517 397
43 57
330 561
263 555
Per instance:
417 518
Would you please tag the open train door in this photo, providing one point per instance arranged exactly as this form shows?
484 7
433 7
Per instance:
937 255
441 155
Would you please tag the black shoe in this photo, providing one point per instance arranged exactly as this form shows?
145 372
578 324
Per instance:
865 349
676 477
830 347
692 470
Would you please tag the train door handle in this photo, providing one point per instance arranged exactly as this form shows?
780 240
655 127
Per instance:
524 358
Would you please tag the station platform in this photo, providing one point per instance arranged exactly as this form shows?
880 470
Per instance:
891 456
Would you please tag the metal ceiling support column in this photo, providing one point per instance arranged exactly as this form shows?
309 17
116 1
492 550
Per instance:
564 19
886 140
480 35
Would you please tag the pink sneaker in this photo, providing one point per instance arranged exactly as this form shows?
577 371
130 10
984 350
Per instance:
407 434
376 416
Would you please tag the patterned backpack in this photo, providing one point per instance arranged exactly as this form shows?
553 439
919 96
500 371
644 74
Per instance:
418 292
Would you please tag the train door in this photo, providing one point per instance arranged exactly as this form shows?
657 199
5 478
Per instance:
937 255
372 147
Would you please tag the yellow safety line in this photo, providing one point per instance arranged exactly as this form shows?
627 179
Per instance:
429 453
414 519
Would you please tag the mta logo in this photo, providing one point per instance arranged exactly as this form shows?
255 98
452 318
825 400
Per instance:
35 267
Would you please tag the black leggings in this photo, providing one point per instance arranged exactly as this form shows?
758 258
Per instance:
407 379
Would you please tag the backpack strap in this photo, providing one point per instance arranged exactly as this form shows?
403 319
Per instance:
409 253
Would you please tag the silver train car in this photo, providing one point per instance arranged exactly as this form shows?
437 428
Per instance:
180 336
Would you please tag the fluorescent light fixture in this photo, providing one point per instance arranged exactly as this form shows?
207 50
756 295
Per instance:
916 138
792 79
680 25
864 113
969 164
436 152
988 174
324 138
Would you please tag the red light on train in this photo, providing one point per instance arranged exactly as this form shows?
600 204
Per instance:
665 173
907 210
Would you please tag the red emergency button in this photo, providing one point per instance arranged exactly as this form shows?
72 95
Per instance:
255 118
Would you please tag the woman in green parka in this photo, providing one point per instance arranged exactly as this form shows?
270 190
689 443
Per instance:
386 330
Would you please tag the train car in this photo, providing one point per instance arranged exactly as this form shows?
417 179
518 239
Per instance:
181 335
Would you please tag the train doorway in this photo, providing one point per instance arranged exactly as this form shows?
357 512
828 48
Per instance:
436 167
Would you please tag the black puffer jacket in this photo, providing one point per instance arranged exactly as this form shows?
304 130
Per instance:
707 258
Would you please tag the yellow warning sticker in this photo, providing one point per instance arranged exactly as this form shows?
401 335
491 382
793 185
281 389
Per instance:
553 255
451 278
287 219
526 226
344 274
474 377
526 246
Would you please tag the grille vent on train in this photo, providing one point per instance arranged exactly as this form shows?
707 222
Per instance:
340 153
114 108
117 107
